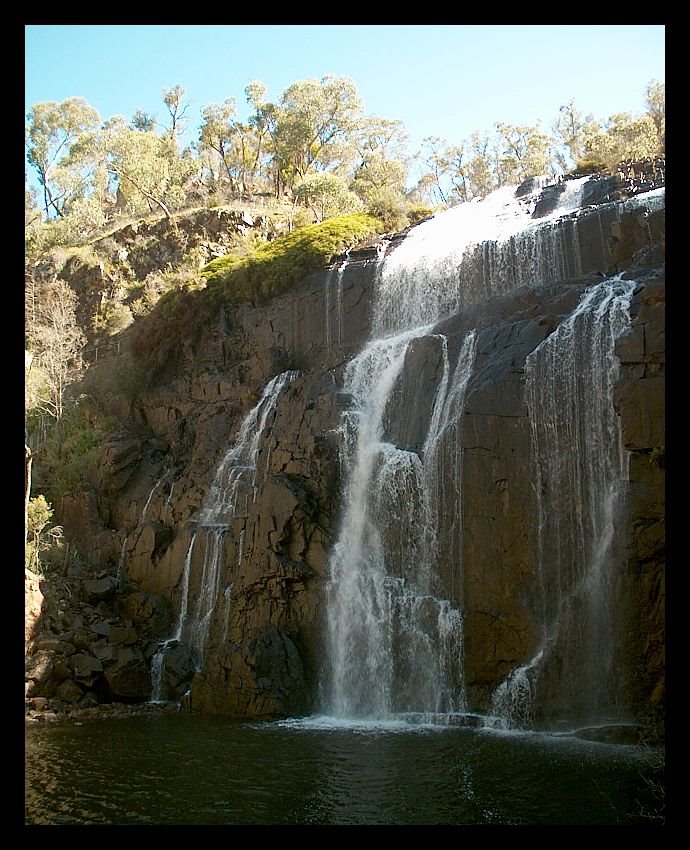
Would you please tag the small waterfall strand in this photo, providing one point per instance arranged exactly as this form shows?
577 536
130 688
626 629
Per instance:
228 498
580 465
234 485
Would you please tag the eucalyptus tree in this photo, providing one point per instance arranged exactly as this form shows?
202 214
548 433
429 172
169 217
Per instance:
480 168
446 177
53 149
569 131
144 121
458 172
381 171
255 93
655 99
432 181
524 152
145 167
234 144
177 109
311 128
622 137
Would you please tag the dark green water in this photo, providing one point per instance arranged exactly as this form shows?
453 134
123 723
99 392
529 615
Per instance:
197 770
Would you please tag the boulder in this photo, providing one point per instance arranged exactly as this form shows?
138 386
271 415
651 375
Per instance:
150 611
100 590
38 672
177 669
86 668
128 678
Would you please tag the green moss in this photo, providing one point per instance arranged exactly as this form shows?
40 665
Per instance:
274 267
159 337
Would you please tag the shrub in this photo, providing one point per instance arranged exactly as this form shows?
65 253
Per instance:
70 450
112 317
38 515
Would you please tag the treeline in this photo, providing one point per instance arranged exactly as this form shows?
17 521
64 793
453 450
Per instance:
313 149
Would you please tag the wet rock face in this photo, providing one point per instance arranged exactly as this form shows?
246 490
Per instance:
265 640
262 677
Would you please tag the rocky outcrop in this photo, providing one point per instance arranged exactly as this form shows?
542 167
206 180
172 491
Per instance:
641 404
264 646
91 642
33 608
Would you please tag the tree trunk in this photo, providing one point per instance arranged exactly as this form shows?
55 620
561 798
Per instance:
27 489
149 197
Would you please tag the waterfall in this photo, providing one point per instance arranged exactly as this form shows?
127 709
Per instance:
158 660
234 485
121 565
338 303
395 643
474 251
580 467
157 484
394 640
233 489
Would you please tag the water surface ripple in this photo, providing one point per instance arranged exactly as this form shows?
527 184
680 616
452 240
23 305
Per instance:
200 770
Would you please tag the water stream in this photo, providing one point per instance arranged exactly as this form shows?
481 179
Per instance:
580 469
234 487
395 639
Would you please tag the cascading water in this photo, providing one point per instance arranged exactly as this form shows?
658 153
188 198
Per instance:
157 484
338 272
395 644
121 564
474 251
158 660
387 623
580 468
234 487
395 637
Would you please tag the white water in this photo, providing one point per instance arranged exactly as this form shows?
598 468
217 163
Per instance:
580 468
472 252
338 272
235 482
157 484
121 565
158 660
395 644
233 489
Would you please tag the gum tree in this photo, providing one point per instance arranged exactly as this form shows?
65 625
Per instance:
53 133
311 129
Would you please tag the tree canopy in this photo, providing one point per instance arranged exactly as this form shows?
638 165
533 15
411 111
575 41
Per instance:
313 147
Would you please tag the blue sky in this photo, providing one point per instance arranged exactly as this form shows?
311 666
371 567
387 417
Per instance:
439 80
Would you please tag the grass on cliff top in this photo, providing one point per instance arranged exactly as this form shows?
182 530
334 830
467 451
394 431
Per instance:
275 267
270 270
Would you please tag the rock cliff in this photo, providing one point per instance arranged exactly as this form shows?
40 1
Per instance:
144 526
